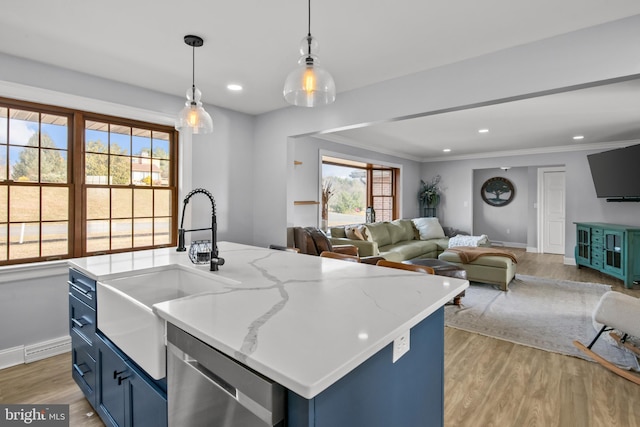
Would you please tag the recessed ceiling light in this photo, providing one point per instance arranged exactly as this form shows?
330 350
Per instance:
483 130
578 137
234 87
446 150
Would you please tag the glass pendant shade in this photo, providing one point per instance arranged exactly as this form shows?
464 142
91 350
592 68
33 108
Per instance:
193 117
309 84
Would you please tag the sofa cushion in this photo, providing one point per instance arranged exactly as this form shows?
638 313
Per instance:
429 228
338 232
379 233
401 229
409 249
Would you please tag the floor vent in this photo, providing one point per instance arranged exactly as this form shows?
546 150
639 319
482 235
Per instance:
47 349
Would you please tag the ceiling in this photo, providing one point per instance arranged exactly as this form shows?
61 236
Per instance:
601 115
255 43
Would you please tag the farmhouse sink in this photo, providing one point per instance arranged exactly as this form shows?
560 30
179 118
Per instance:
126 317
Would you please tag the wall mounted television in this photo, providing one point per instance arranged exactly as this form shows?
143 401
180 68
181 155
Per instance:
616 174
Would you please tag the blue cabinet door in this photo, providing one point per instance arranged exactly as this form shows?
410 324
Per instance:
148 405
111 396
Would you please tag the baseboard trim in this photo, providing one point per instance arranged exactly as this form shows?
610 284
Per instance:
46 349
569 261
11 357
532 249
34 352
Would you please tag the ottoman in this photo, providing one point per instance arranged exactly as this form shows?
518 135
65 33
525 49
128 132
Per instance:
442 268
497 270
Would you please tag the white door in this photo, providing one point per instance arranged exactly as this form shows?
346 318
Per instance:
553 212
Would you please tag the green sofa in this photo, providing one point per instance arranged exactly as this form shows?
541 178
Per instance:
398 240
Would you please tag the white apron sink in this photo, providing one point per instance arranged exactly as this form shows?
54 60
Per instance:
126 317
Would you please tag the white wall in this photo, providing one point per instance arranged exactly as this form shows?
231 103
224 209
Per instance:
508 223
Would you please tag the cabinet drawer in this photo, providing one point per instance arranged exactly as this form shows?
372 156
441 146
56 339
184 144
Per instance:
82 319
596 264
597 254
596 232
82 288
83 366
597 240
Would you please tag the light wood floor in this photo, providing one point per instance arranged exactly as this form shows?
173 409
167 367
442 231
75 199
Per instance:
488 382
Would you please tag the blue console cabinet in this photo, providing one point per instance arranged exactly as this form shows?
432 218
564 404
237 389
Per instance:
120 391
609 248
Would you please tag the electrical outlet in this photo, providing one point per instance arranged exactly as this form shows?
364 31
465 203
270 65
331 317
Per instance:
401 346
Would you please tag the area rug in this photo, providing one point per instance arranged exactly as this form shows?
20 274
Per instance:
541 313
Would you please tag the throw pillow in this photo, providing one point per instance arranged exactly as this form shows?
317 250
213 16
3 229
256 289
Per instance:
407 226
429 228
354 232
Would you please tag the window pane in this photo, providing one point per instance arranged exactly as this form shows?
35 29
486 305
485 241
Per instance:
55 203
55 238
4 167
3 204
120 139
54 131
164 170
160 145
23 128
142 203
53 166
120 172
24 240
162 202
97 236
140 171
161 231
3 242
347 203
24 204
96 167
121 202
98 203
96 137
3 124
24 164
141 142
142 232
120 233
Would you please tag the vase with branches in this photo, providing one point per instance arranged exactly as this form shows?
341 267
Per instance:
327 193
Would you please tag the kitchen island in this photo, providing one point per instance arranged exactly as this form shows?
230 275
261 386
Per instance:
323 329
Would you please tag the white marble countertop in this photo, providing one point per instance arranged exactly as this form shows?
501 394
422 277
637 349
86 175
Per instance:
303 321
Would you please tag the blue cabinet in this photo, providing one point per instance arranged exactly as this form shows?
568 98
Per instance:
120 391
609 248
380 393
82 328
127 397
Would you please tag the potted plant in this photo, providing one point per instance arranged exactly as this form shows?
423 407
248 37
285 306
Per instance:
429 194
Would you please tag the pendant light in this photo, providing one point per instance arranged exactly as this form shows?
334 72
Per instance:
309 85
193 118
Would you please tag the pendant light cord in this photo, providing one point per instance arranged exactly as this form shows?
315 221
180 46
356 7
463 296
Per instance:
193 74
309 27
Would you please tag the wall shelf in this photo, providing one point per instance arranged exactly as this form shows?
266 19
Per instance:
306 202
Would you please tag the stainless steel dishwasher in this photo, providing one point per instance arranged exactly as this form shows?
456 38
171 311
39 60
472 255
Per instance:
207 388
